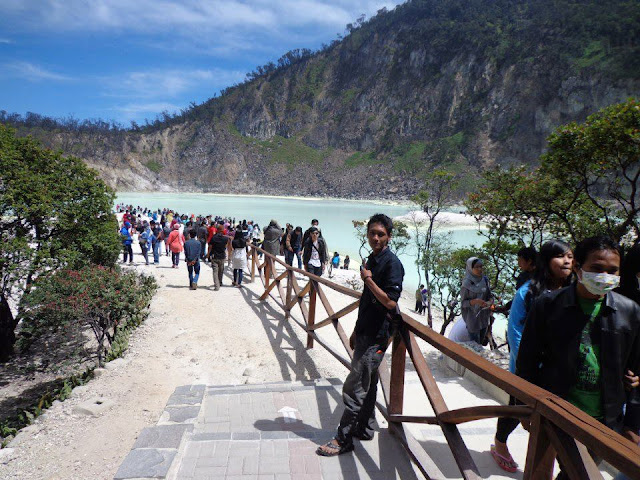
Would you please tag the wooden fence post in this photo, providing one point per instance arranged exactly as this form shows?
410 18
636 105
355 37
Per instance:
312 311
287 311
396 383
253 264
267 271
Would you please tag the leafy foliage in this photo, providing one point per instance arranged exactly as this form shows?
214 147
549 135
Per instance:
437 194
54 212
399 237
588 183
94 298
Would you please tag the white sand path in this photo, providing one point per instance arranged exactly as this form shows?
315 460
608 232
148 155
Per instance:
190 337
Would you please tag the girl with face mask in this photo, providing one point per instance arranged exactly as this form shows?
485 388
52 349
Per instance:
552 271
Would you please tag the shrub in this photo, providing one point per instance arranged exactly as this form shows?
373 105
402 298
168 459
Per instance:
92 299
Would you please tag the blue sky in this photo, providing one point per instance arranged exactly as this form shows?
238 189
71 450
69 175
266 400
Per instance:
130 59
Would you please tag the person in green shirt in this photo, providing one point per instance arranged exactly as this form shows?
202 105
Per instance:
581 342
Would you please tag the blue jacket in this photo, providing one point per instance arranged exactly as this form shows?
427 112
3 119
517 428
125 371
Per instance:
126 236
515 327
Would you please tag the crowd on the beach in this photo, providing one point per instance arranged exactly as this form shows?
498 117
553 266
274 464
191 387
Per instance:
217 239
573 323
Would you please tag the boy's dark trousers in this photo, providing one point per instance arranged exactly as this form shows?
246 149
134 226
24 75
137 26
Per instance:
360 388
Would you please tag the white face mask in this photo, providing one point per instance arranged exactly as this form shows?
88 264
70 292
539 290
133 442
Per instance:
599 283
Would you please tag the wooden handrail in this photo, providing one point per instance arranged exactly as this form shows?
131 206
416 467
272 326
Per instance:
556 427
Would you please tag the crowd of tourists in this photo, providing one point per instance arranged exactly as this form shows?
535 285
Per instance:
217 239
573 323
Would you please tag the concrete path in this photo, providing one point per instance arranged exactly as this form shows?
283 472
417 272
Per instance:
267 431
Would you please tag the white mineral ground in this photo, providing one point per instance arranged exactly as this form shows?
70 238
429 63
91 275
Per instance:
443 219
190 337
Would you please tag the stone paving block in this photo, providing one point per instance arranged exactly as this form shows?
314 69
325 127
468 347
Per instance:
204 436
272 464
192 449
206 472
185 389
245 436
162 436
250 465
145 463
274 448
187 467
211 461
180 414
274 435
190 398
243 448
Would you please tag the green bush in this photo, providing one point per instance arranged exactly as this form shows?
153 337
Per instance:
94 298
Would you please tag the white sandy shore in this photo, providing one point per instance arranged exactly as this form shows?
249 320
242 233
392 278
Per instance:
290 197
444 219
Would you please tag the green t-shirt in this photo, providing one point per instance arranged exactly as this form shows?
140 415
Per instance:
586 394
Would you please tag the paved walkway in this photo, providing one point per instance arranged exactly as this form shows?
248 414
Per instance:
267 431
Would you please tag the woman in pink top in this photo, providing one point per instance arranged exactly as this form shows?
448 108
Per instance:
176 244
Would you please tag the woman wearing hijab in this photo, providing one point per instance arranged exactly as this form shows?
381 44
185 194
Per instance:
476 297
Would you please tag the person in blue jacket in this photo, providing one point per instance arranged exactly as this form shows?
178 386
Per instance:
127 240
552 272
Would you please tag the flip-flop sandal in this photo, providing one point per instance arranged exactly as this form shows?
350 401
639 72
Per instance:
332 449
507 464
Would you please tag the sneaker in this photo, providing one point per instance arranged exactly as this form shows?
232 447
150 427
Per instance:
195 286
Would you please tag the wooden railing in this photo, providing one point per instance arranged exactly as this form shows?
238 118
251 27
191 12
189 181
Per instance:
556 428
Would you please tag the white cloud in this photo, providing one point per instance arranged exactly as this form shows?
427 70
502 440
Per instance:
190 18
6 41
137 110
167 83
32 73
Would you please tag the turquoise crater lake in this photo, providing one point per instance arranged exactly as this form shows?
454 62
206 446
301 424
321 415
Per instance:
335 217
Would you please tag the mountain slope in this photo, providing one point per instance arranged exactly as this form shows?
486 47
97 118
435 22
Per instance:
459 84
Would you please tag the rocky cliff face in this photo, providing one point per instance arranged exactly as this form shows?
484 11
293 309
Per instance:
372 113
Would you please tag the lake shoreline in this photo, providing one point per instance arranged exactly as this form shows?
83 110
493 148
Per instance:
380 201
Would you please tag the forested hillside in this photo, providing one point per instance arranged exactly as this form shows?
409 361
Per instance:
458 83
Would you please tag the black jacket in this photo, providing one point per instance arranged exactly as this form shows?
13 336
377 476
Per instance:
548 355
322 250
387 273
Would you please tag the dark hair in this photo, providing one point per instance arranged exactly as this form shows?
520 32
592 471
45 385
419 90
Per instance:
238 239
298 229
192 233
315 220
528 253
382 219
476 262
593 244
628 274
542 277
422 285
